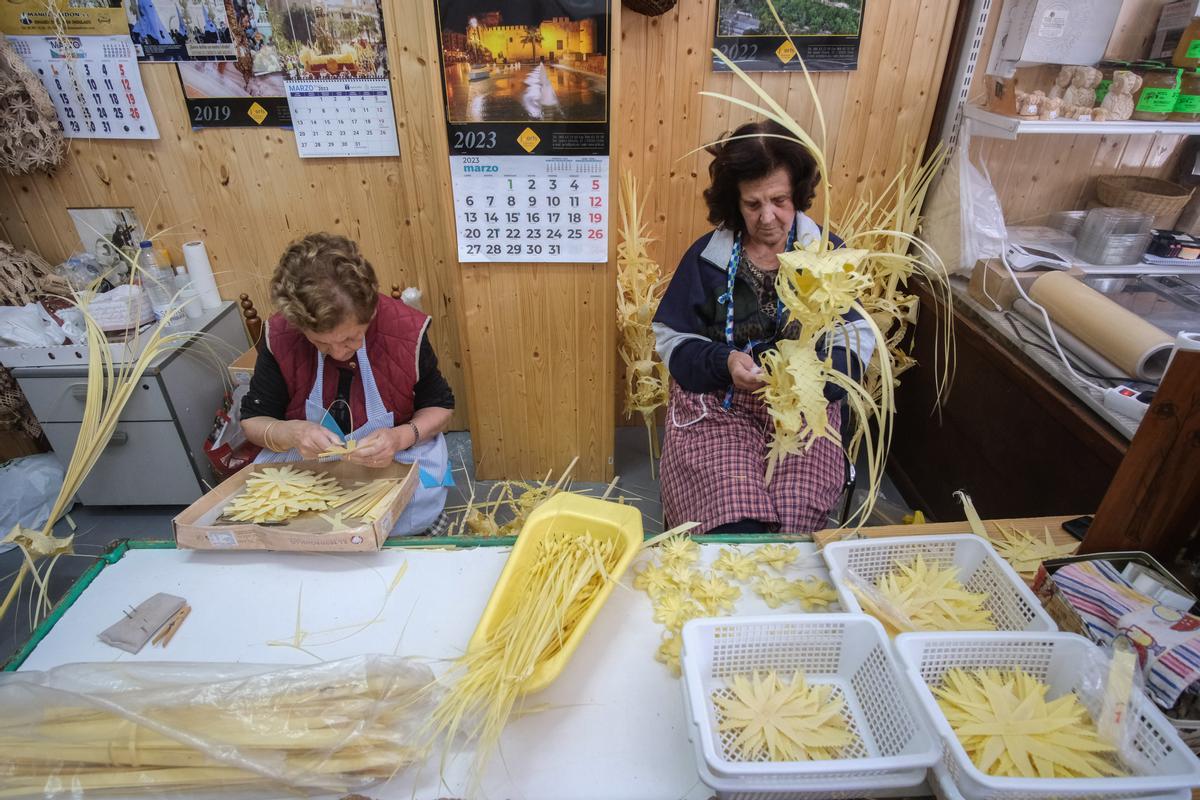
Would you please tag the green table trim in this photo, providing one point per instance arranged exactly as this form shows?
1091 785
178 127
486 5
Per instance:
117 550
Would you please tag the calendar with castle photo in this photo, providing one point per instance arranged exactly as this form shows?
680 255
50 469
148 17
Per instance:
525 76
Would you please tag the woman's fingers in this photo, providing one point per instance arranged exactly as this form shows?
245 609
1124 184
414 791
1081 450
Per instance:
375 450
746 375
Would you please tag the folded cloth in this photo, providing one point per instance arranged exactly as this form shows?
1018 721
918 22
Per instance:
131 633
1168 642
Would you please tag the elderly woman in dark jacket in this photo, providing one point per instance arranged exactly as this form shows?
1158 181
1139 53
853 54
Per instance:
718 315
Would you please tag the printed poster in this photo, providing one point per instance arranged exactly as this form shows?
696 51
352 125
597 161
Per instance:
824 34
525 77
180 30
321 40
247 92
78 17
526 87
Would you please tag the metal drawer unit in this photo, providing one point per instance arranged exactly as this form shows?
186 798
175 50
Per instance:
156 455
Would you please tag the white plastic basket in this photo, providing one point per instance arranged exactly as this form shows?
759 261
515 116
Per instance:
1053 658
894 745
1013 605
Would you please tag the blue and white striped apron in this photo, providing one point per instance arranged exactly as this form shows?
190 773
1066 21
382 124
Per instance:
431 457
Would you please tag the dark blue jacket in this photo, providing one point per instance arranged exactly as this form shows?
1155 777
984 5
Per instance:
689 327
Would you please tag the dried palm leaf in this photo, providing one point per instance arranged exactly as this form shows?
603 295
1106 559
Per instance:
639 288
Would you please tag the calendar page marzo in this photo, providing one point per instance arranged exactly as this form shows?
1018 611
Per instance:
531 208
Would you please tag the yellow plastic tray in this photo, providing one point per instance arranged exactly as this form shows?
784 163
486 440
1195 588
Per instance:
574 514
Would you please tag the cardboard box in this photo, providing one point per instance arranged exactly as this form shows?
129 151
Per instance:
1054 31
991 281
196 527
242 369
1002 93
1173 19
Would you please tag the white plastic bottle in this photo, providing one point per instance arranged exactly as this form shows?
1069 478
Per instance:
158 282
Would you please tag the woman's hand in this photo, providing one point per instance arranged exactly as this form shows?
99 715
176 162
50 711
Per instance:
378 449
746 375
309 438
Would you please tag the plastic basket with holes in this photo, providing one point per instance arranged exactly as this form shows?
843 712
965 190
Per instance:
1053 658
980 569
893 745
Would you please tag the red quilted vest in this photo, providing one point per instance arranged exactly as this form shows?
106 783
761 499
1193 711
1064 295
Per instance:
393 344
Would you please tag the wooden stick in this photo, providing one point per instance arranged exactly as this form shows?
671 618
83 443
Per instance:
170 623
611 486
175 626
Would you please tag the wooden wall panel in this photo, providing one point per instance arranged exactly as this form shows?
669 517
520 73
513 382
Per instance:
528 349
877 116
247 194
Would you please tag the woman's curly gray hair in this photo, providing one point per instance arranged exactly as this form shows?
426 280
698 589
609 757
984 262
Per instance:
323 281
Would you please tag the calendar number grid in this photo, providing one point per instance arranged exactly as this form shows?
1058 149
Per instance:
531 209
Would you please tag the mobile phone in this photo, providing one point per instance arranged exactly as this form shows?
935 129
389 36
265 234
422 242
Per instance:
1077 527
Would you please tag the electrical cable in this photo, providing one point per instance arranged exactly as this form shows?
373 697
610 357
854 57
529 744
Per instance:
1011 319
1021 290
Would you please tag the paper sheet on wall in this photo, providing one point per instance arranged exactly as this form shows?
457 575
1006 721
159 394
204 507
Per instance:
531 208
70 17
343 118
180 30
94 82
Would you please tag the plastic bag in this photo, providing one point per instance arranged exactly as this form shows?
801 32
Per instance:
190 729
1111 686
80 271
73 324
964 222
29 326
28 488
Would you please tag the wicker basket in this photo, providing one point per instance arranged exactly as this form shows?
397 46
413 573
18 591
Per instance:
651 8
1162 199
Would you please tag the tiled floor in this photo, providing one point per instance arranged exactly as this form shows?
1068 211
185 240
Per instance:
98 527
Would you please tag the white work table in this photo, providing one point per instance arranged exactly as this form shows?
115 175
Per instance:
613 724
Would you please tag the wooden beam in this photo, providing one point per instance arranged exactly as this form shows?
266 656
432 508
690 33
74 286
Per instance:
1153 502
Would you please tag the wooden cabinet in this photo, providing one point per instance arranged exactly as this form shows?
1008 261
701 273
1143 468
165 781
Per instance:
1008 434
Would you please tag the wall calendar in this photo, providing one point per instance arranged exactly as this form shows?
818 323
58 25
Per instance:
531 208
94 82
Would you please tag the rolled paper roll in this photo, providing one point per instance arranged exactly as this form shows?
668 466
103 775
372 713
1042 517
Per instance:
195 256
1137 347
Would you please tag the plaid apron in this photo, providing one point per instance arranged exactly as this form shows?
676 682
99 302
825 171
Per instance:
714 461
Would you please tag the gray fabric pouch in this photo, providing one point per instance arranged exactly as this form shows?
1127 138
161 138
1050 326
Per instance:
132 632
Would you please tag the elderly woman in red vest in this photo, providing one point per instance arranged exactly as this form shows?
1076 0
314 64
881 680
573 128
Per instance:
343 362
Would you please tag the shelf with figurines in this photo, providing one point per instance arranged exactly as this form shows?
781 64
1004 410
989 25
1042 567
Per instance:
1143 99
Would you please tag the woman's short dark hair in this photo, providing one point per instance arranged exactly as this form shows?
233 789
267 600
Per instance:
748 159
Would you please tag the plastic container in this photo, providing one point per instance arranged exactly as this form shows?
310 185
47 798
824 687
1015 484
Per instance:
980 569
1114 236
1187 106
189 298
944 789
1187 52
1052 658
571 513
1156 99
1069 222
895 746
159 283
